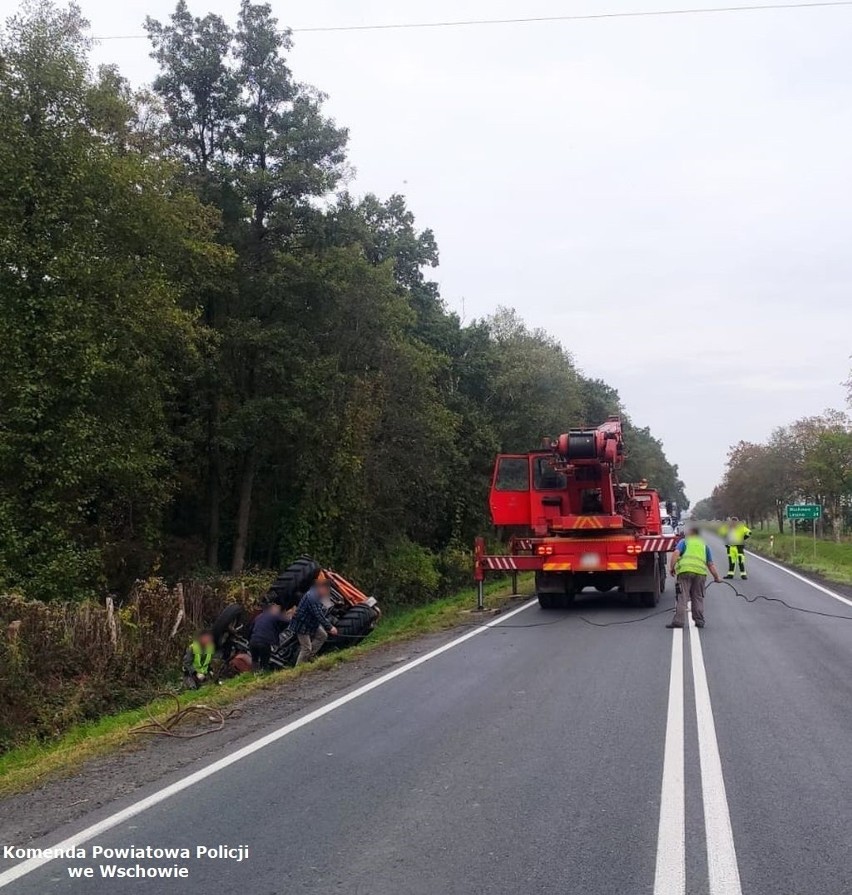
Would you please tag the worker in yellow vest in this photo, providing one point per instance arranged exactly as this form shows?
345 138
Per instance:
197 660
735 535
691 560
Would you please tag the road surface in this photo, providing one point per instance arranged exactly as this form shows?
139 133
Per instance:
542 755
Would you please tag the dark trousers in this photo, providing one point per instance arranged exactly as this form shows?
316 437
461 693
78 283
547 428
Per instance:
736 556
260 653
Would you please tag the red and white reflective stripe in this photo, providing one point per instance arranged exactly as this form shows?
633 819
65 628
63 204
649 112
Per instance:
524 543
658 545
503 563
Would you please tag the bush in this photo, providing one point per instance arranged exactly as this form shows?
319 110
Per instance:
409 574
63 663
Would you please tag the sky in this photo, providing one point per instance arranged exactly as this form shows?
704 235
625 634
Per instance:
670 197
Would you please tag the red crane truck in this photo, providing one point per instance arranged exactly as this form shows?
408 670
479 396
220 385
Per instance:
574 524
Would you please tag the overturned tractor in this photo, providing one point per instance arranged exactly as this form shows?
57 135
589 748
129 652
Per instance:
352 613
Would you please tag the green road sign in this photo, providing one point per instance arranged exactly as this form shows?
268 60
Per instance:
804 511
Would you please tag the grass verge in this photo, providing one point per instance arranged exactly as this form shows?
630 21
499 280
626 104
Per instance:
25 767
829 559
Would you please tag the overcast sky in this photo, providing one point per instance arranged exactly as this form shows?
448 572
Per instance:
670 197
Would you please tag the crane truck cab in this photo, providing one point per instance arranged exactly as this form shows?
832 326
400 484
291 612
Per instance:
574 524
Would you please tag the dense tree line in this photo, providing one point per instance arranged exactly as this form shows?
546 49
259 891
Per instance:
808 461
213 355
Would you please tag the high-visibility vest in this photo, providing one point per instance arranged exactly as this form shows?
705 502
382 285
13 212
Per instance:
693 561
201 661
737 534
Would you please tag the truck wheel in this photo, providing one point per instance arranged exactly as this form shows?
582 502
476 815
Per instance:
649 598
547 601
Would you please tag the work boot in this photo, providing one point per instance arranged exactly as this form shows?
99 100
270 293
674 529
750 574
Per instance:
699 624
729 576
744 577
673 625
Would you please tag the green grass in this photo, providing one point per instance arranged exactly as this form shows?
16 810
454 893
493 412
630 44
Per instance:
832 560
25 767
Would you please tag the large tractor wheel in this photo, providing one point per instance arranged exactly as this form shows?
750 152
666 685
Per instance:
233 619
352 627
547 601
288 587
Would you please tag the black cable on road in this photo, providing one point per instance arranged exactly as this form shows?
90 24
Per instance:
784 603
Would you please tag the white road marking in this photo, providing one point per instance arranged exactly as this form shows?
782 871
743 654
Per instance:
670 876
723 871
28 866
813 584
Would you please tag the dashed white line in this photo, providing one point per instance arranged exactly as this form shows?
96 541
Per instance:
723 871
670 876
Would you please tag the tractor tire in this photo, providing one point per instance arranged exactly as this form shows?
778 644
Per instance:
234 614
288 587
649 598
352 627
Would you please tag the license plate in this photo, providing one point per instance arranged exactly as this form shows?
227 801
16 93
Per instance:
590 560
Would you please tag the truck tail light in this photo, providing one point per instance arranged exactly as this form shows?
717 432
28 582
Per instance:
544 550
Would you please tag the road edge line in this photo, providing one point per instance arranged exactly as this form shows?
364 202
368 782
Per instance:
26 867
670 873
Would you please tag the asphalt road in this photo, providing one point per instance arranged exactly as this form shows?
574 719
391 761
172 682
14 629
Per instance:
542 755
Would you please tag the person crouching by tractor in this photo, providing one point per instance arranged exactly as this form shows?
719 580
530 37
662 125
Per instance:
265 635
310 622
736 533
197 659
691 561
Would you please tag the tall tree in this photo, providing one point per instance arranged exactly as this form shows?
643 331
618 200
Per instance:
101 252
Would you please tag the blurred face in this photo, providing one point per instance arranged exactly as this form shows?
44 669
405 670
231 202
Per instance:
322 588
206 639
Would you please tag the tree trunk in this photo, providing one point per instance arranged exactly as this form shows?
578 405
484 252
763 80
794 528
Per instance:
779 515
244 511
214 485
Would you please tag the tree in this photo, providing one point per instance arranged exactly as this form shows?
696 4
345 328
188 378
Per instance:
102 251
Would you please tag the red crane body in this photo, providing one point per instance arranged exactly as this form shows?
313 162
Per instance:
573 523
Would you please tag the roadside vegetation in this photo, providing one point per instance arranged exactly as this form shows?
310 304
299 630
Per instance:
809 461
216 358
32 762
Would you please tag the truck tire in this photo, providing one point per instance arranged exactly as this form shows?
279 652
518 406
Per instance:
547 601
352 627
649 598
288 587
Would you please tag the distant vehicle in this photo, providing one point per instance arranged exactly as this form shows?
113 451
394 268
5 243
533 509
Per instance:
668 529
679 529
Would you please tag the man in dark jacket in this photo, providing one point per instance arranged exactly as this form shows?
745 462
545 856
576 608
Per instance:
265 635
310 623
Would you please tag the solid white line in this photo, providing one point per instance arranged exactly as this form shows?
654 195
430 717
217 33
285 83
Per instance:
28 866
813 584
670 876
722 866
